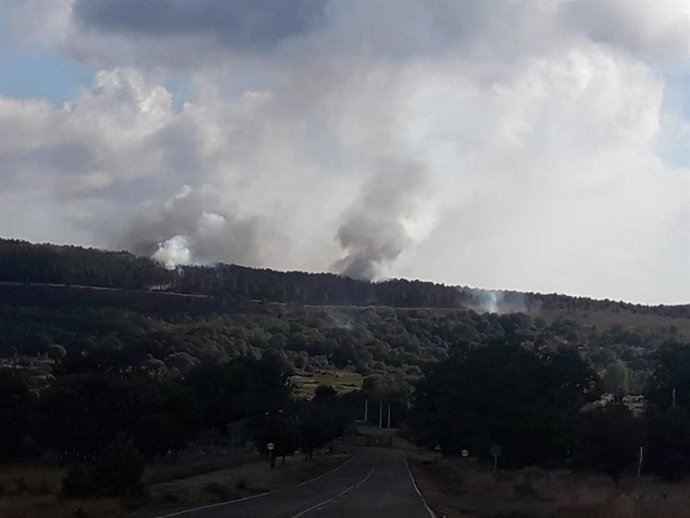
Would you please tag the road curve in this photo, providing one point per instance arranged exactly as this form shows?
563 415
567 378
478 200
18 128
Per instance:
373 483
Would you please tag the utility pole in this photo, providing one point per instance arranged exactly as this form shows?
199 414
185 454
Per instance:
673 399
381 414
389 415
366 410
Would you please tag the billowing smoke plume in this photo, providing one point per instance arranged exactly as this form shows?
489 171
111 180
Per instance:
194 226
173 252
375 230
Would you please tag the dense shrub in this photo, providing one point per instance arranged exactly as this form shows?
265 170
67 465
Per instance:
116 472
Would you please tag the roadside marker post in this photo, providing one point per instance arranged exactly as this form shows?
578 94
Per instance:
270 447
496 452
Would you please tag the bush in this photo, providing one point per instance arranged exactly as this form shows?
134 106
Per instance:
116 472
524 489
533 473
668 443
79 482
119 468
222 492
609 439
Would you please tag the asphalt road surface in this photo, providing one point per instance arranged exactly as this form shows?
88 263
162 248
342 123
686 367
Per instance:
373 483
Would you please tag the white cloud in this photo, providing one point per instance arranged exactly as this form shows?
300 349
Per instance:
537 127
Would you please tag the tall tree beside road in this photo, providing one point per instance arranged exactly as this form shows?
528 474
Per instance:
506 395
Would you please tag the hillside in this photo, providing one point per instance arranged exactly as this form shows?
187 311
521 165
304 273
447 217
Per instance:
61 306
27 263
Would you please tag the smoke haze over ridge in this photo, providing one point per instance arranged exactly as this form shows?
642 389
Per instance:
537 146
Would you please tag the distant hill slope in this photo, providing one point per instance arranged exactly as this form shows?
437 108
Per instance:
28 263
66 309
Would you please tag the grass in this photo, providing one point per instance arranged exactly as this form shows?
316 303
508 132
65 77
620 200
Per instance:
29 479
238 482
300 471
191 466
626 318
341 380
51 507
32 491
555 493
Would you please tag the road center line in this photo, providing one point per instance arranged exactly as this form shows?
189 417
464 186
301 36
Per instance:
344 492
324 474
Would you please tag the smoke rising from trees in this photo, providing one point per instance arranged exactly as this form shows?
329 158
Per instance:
193 227
373 233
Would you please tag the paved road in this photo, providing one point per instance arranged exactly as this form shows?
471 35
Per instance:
373 483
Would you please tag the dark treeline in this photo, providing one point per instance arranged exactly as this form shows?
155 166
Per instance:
544 408
26 263
155 303
239 283
369 341
91 418
541 406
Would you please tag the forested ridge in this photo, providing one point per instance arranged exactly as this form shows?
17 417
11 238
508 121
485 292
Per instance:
27 263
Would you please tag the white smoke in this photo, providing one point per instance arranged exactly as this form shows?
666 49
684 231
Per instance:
374 232
173 252
194 226
500 302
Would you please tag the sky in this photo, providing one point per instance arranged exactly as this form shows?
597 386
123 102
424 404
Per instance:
534 145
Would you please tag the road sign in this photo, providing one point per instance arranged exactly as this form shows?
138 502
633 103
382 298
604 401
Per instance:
270 446
465 453
438 447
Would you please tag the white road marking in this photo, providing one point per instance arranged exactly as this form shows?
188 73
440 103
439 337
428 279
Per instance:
416 488
345 491
230 502
194 509
323 475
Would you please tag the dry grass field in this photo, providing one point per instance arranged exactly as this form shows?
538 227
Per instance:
604 319
342 381
459 487
32 491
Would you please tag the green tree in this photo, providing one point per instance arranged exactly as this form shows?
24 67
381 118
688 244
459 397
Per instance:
670 383
502 394
616 378
322 419
668 443
608 439
15 414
